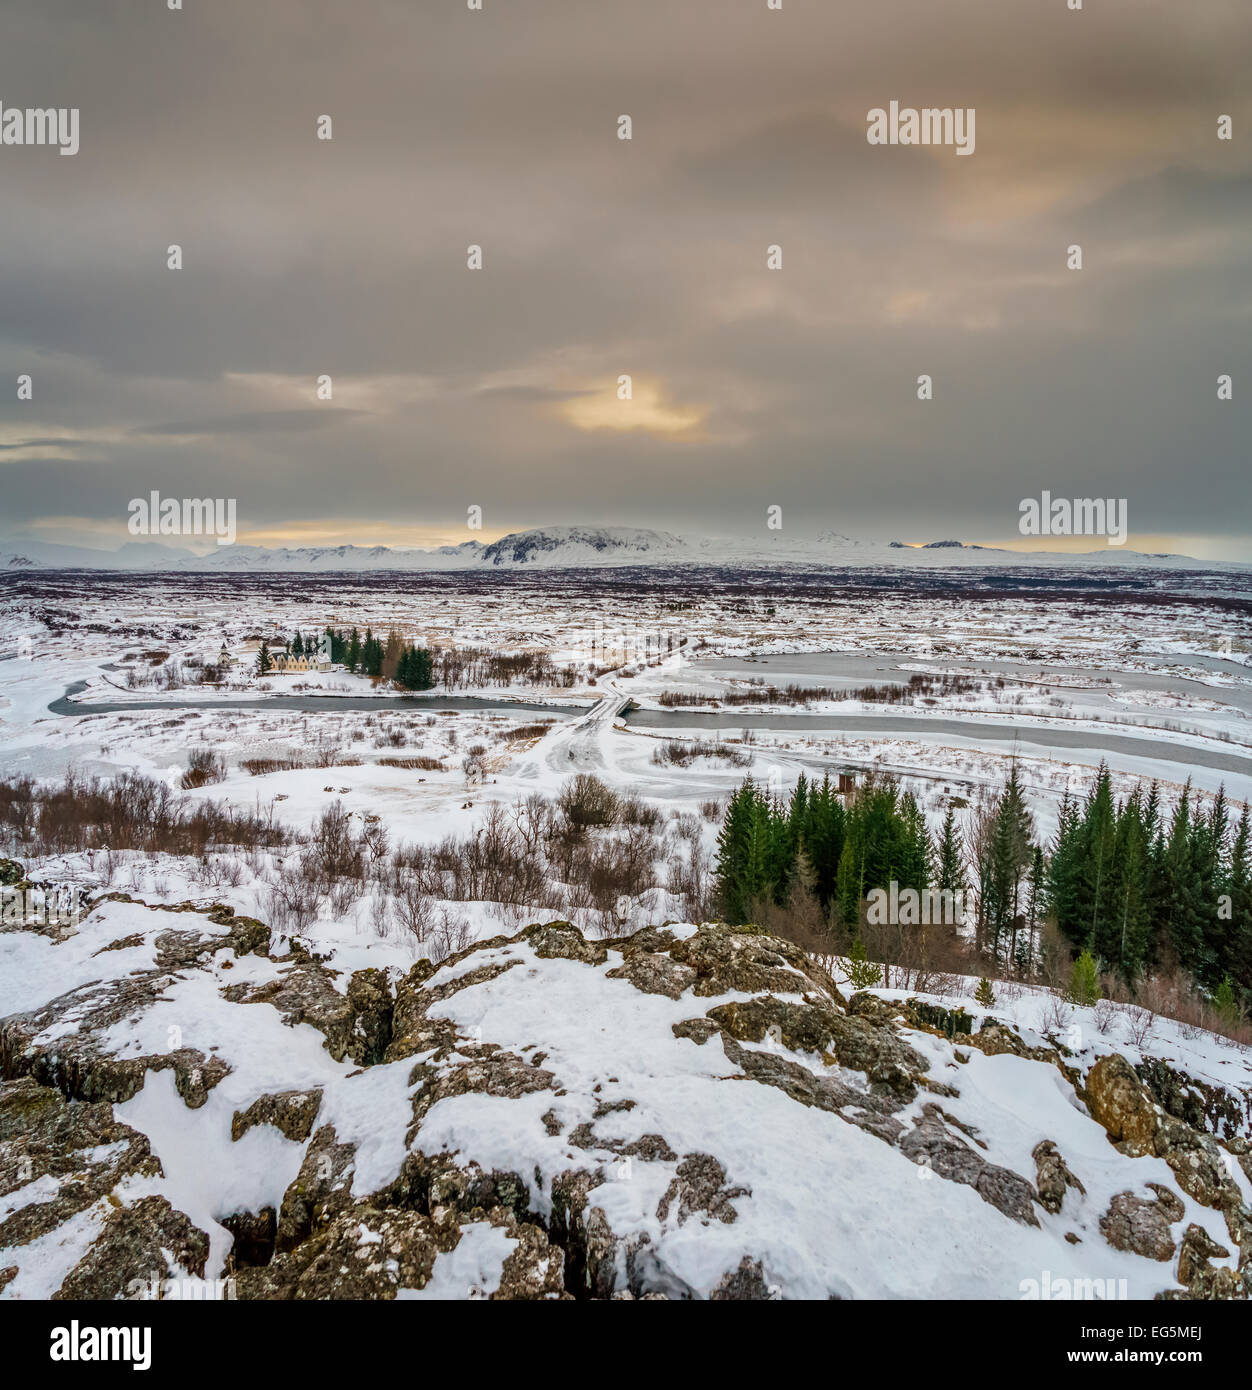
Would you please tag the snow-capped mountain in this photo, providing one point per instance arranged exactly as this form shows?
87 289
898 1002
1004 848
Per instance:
586 545
579 547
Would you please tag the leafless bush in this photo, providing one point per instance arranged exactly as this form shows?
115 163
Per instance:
126 812
585 801
292 901
1056 1013
1106 1012
413 905
526 731
1140 1023
203 766
449 934
690 880
633 810
334 853
262 767
675 753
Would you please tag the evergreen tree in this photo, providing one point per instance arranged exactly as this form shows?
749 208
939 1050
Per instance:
1181 887
1063 873
263 662
1011 854
740 854
1235 948
1224 1000
862 973
297 647
1084 981
822 837
949 861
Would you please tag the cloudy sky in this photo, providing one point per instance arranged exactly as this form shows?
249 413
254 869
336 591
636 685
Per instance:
752 387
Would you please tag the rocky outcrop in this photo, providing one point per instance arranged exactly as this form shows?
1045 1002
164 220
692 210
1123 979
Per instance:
1052 1177
1135 1224
59 1044
290 1112
639 1143
1224 1112
150 1240
1123 1105
71 1154
356 1023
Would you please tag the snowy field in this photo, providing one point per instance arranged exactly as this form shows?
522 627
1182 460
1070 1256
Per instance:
99 677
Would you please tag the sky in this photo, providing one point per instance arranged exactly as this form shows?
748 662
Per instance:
498 388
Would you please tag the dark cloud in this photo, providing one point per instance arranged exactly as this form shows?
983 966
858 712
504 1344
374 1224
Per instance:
602 257
254 422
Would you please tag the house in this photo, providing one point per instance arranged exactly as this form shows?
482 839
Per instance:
290 662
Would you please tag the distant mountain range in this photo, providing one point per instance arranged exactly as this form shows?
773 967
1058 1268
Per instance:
576 547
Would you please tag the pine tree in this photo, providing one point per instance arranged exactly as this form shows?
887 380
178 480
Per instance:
737 866
984 994
949 861
1236 953
297 646
1063 873
1084 980
423 669
263 662
862 973
1182 888
822 836
353 654
1224 1000
1011 854
1122 936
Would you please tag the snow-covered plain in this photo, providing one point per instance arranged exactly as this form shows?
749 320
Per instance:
824 1206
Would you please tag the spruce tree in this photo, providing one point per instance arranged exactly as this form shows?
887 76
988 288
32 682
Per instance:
949 860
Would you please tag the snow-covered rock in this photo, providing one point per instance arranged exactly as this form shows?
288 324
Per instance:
688 1112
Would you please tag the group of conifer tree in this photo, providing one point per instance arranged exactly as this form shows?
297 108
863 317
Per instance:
1137 886
410 667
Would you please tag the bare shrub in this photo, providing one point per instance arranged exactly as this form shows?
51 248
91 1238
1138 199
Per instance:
262 767
585 801
1140 1023
413 906
450 933
203 766
676 753
334 852
1056 1013
128 812
292 901
690 880
1106 1012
